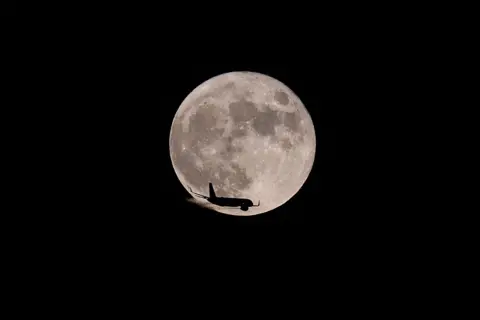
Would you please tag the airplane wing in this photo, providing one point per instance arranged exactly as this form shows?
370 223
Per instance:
198 194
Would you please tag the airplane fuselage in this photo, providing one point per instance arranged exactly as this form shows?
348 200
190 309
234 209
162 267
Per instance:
230 202
244 204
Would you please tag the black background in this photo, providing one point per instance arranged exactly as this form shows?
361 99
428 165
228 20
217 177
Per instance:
127 188
109 199
118 89
125 198
8 8
137 151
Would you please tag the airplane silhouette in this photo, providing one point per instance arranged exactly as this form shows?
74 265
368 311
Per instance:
244 204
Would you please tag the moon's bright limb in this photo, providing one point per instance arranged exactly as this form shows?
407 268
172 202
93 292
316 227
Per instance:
248 134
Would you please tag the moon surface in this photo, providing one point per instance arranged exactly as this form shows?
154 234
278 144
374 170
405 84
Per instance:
248 134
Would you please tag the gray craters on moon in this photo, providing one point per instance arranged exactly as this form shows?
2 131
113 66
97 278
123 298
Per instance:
281 97
205 154
229 86
181 149
178 146
242 110
238 133
232 143
188 161
205 124
199 120
217 177
205 117
247 134
291 120
228 180
242 180
264 122
286 144
230 148
223 89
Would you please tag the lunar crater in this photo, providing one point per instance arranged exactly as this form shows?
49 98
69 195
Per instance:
264 122
281 97
242 110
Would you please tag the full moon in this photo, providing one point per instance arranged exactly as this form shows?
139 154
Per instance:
246 133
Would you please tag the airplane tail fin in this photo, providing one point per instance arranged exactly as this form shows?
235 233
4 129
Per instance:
212 192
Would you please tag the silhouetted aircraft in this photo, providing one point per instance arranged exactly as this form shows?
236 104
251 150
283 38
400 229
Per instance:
244 204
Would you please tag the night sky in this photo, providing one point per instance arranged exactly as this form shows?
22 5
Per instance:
8 8
126 88
130 167
132 192
105 92
118 85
